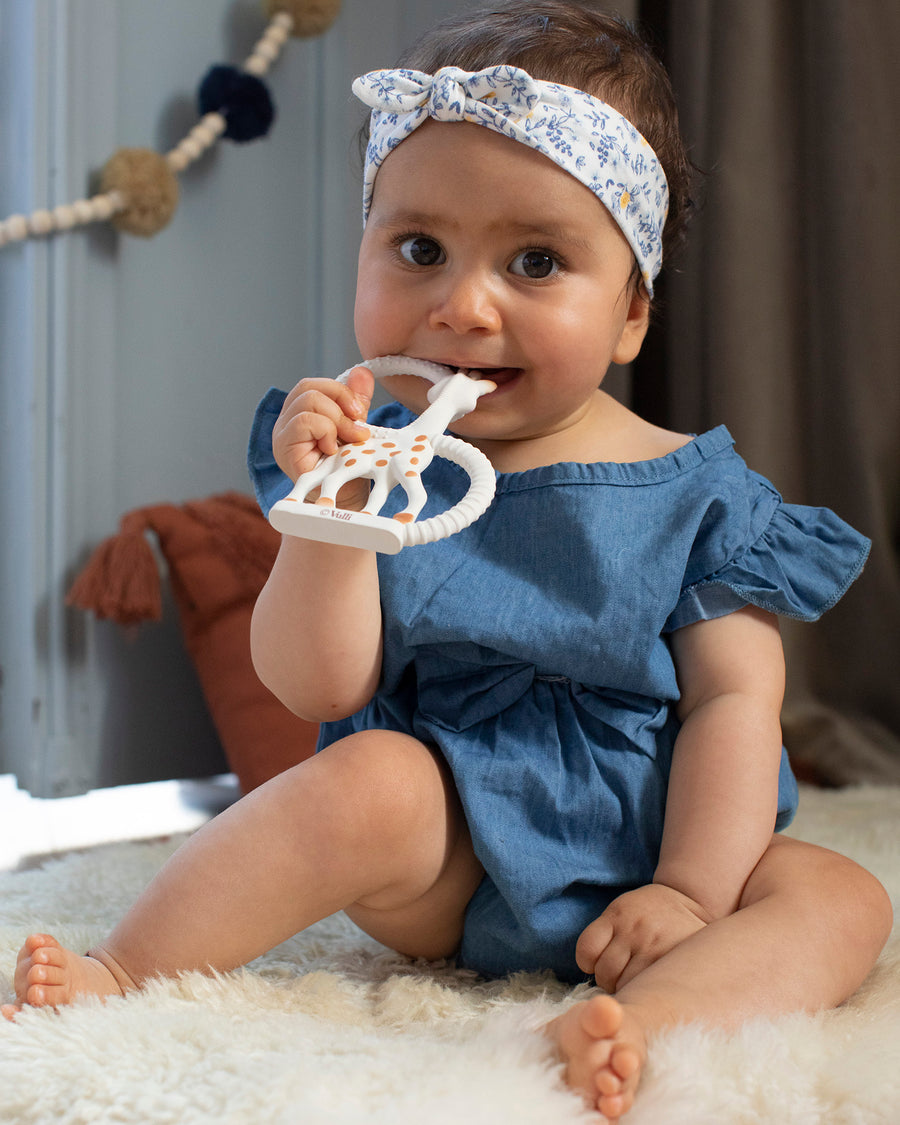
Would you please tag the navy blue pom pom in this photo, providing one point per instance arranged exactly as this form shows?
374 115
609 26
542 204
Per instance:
241 98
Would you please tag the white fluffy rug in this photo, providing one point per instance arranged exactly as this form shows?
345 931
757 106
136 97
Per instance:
332 1028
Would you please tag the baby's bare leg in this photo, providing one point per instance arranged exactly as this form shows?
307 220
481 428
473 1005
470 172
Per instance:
809 929
372 821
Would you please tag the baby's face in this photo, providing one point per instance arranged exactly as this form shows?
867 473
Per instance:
483 254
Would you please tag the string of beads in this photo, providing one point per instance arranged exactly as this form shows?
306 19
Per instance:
138 187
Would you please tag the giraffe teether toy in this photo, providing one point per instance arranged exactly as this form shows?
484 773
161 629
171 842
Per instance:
389 458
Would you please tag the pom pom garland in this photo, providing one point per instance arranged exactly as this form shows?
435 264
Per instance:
139 191
241 98
147 185
68 215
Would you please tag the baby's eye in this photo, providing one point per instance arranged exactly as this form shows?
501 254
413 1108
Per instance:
421 251
535 264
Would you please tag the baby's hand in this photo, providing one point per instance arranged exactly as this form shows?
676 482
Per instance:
635 930
318 417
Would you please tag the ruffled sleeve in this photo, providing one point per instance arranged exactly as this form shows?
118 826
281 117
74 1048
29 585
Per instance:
270 484
799 566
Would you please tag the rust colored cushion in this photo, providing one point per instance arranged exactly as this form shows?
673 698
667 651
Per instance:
219 552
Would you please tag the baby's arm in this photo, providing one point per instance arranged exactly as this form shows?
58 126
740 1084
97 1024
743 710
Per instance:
316 630
722 797
723 789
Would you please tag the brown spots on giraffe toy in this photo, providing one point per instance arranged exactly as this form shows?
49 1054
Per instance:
388 458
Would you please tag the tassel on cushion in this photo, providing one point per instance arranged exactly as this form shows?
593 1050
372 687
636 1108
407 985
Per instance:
121 579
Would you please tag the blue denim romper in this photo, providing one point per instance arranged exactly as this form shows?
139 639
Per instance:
531 649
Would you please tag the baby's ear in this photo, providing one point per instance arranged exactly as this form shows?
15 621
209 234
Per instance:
634 330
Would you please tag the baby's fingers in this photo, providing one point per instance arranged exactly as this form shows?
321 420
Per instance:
610 969
361 383
592 942
300 440
350 400
353 400
311 426
606 953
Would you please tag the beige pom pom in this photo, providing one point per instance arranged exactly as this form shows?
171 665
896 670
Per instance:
311 17
148 185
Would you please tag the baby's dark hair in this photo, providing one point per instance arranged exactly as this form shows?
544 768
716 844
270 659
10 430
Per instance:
577 45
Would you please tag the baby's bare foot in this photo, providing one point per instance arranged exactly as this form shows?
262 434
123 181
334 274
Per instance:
604 1049
49 975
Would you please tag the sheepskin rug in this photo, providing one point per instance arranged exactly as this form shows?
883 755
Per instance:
330 1027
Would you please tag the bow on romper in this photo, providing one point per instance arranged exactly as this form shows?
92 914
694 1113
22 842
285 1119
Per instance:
531 649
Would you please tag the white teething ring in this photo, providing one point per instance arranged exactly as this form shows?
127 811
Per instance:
453 395
384 365
475 502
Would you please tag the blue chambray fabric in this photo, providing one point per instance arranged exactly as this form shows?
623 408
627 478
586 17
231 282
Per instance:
531 649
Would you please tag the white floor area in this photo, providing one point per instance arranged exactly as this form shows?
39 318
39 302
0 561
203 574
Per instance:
31 827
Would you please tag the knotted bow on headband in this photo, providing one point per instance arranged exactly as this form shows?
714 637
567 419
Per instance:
583 135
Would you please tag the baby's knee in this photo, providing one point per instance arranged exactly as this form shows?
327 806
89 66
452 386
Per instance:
390 779
874 903
854 885
858 905
821 880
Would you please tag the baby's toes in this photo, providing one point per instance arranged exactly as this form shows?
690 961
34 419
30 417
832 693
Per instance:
9 1011
617 1082
43 995
35 942
625 1061
608 1083
49 975
45 983
52 959
614 1107
34 958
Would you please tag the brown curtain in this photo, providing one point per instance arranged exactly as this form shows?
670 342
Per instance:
782 318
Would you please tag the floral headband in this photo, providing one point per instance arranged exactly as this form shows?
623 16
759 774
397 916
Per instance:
583 135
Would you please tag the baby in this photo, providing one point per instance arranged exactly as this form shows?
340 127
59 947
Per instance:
550 741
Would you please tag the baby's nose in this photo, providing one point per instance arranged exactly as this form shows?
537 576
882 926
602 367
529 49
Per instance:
468 304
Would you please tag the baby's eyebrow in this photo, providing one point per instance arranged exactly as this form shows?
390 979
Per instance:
527 231
412 219
554 232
